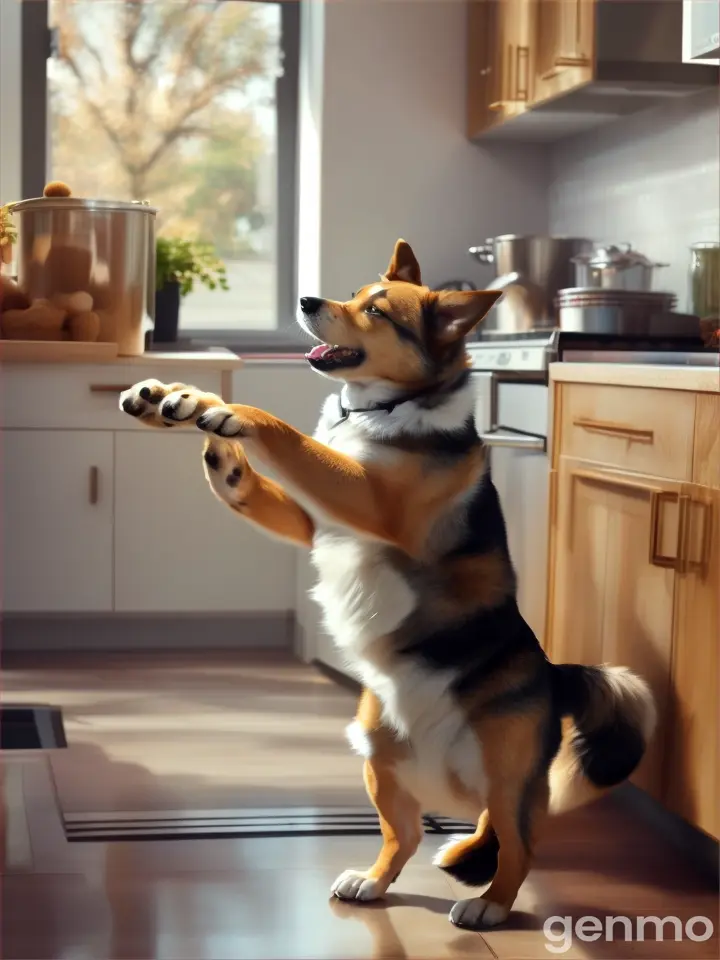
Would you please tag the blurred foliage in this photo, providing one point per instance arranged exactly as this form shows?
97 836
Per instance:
157 101
188 262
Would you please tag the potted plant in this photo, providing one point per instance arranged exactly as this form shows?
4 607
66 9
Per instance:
179 265
8 234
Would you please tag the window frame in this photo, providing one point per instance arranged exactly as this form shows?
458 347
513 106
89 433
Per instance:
36 44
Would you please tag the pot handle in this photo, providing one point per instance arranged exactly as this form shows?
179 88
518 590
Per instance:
484 252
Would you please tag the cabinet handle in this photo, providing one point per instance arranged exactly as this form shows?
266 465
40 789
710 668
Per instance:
616 429
561 63
522 61
109 387
94 485
657 559
657 499
686 564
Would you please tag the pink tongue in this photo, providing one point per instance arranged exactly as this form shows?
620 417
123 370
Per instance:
319 351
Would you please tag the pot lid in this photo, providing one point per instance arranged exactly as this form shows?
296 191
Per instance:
612 256
83 203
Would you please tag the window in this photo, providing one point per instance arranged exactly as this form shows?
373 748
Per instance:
191 105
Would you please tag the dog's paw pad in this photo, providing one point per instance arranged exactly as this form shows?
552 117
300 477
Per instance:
354 885
139 400
477 912
180 405
220 421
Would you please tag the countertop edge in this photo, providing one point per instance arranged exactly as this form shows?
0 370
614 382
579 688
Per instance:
658 376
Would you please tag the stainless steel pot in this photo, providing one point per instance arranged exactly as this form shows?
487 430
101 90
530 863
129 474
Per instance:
530 270
103 247
623 313
612 268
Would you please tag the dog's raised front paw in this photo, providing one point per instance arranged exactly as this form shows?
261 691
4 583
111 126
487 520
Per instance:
142 398
355 885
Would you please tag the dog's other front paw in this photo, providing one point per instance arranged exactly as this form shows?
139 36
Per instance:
227 470
477 912
356 885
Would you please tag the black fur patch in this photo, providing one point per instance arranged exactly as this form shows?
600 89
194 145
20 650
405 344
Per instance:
439 443
610 748
609 755
479 865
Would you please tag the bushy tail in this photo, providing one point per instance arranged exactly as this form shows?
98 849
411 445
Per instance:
609 717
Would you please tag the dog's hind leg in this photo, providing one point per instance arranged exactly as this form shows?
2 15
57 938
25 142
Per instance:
516 765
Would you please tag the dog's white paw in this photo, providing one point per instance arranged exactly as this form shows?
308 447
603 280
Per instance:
142 398
354 885
180 405
220 421
477 912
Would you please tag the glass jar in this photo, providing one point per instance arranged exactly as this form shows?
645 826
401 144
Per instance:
705 279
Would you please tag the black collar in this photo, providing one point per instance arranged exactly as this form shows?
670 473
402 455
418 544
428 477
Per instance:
387 406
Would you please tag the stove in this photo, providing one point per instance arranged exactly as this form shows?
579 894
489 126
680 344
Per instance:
528 355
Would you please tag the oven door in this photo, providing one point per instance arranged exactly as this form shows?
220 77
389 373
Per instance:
517 439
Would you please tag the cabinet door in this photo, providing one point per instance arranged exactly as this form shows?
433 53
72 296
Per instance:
564 38
691 772
498 57
177 548
615 538
57 521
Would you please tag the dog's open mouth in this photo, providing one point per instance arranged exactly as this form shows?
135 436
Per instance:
327 357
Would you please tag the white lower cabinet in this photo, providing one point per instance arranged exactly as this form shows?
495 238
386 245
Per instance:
57 521
177 548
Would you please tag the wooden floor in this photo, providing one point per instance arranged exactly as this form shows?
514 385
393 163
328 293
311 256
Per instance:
209 732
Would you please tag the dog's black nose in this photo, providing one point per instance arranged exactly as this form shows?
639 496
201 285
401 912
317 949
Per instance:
310 304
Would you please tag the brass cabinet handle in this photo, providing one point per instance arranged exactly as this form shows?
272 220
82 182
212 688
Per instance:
109 387
657 499
658 559
522 63
94 486
616 429
700 565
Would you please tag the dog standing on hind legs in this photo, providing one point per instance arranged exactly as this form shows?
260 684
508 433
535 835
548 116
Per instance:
462 714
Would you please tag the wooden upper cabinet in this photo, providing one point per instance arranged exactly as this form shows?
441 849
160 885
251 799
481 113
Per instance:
500 67
541 70
564 38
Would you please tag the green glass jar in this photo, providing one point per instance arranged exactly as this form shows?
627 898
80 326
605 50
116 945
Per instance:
705 279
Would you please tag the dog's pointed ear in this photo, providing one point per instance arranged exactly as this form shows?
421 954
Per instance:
458 311
403 265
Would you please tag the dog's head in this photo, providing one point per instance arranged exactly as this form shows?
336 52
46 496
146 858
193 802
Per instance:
395 330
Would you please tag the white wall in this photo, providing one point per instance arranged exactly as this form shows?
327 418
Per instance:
10 118
383 144
652 179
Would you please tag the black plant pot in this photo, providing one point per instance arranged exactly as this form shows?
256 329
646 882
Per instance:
167 313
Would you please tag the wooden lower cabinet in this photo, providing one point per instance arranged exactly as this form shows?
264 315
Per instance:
692 775
614 538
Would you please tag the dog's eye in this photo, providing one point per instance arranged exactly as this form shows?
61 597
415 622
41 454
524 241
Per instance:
373 311
352 295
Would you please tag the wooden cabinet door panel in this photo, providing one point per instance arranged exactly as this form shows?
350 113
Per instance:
563 41
615 551
692 766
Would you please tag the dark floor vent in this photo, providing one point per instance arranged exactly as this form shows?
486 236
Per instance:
241 824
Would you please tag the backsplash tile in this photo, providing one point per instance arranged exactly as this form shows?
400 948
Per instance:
652 180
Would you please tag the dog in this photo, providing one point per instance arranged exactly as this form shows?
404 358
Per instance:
462 713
